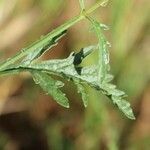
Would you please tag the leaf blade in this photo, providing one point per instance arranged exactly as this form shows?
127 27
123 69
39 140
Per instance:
117 98
51 87
82 91
124 106
103 55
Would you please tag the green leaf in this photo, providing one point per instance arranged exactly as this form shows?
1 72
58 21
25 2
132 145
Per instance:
89 76
108 78
111 89
51 87
96 75
69 68
66 68
124 106
41 50
117 98
103 68
103 59
82 91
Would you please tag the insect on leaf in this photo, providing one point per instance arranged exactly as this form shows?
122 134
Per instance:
84 52
68 66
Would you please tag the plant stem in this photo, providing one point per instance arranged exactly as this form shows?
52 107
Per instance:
40 43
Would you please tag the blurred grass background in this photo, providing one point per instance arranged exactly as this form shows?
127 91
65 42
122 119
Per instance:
31 120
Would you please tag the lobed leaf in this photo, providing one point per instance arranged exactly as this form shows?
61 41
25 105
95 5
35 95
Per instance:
82 91
124 106
117 98
103 68
69 68
103 58
51 87
95 76
66 68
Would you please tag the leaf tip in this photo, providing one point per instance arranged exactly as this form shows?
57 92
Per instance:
132 116
85 105
68 106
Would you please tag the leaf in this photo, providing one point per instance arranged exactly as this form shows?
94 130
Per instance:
108 78
117 98
69 68
41 50
66 68
103 68
111 89
124 106
89 76
51 87
82 91
96 75
103 58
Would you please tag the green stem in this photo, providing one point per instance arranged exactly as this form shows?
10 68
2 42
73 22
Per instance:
50 35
